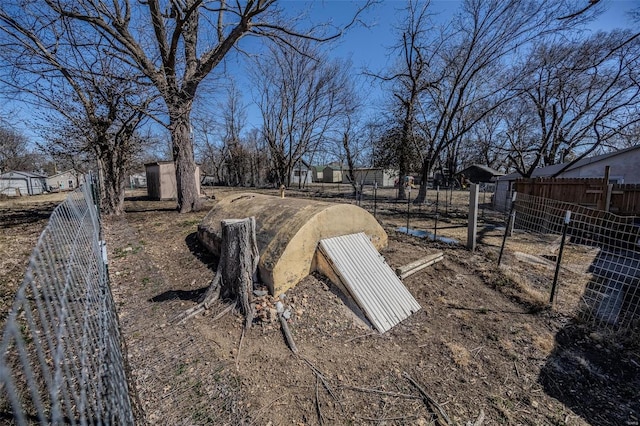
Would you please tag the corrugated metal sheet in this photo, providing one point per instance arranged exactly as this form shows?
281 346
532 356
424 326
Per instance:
370 281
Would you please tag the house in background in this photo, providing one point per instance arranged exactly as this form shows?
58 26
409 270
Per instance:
15 183
624 167
63 181
371 175
138 180
161 180
332 173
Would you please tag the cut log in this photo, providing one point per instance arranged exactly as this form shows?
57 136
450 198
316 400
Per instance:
413 267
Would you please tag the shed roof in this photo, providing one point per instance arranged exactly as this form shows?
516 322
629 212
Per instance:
14 173
333 166
72 171
483 168
157 163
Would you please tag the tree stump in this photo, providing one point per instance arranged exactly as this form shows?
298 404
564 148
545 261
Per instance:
237 269
239 263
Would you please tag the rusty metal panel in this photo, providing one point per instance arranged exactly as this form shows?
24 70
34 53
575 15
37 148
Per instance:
369 280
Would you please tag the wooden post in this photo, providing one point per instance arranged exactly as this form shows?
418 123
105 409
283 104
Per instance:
472 228
606 200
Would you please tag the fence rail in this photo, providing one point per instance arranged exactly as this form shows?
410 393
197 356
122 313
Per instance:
61 357
622 199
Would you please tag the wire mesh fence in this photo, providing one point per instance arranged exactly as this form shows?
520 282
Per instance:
589 259
61 357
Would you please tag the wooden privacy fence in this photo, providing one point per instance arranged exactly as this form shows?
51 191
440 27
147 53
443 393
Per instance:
597 193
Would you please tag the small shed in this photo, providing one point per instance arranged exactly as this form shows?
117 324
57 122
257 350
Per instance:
371 176
477 173
16 183
63 181
301 174
161 180
332 174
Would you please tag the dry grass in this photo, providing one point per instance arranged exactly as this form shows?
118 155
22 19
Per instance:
459 354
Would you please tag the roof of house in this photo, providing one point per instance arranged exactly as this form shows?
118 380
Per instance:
553 169
71 171
14 173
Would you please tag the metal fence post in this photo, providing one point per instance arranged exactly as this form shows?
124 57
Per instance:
510 223
375 197
472 226
408 205
567 219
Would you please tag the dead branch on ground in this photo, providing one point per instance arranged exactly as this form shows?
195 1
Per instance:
441 416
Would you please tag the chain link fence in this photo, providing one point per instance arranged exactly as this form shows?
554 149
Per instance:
61 355
585 261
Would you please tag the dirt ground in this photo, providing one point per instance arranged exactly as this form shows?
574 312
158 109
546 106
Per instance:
484 346
21 222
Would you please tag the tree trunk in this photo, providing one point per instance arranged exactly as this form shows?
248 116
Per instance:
112 185
182 144
237 268
424 180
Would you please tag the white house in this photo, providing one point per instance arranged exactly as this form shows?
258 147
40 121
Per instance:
15 183
63 181
624 167
138 180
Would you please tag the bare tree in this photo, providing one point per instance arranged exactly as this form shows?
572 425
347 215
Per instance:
583 94
486 144
94 100
14 154
177 44
467 64
234 118
410 79
302 97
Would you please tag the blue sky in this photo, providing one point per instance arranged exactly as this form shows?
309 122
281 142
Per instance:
367 47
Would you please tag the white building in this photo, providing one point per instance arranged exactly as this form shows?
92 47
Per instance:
15 183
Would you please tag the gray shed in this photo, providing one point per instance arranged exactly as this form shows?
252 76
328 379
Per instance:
332 174
22 183
371 175
161 180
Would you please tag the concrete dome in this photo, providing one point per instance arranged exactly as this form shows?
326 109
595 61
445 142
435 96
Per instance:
288 231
